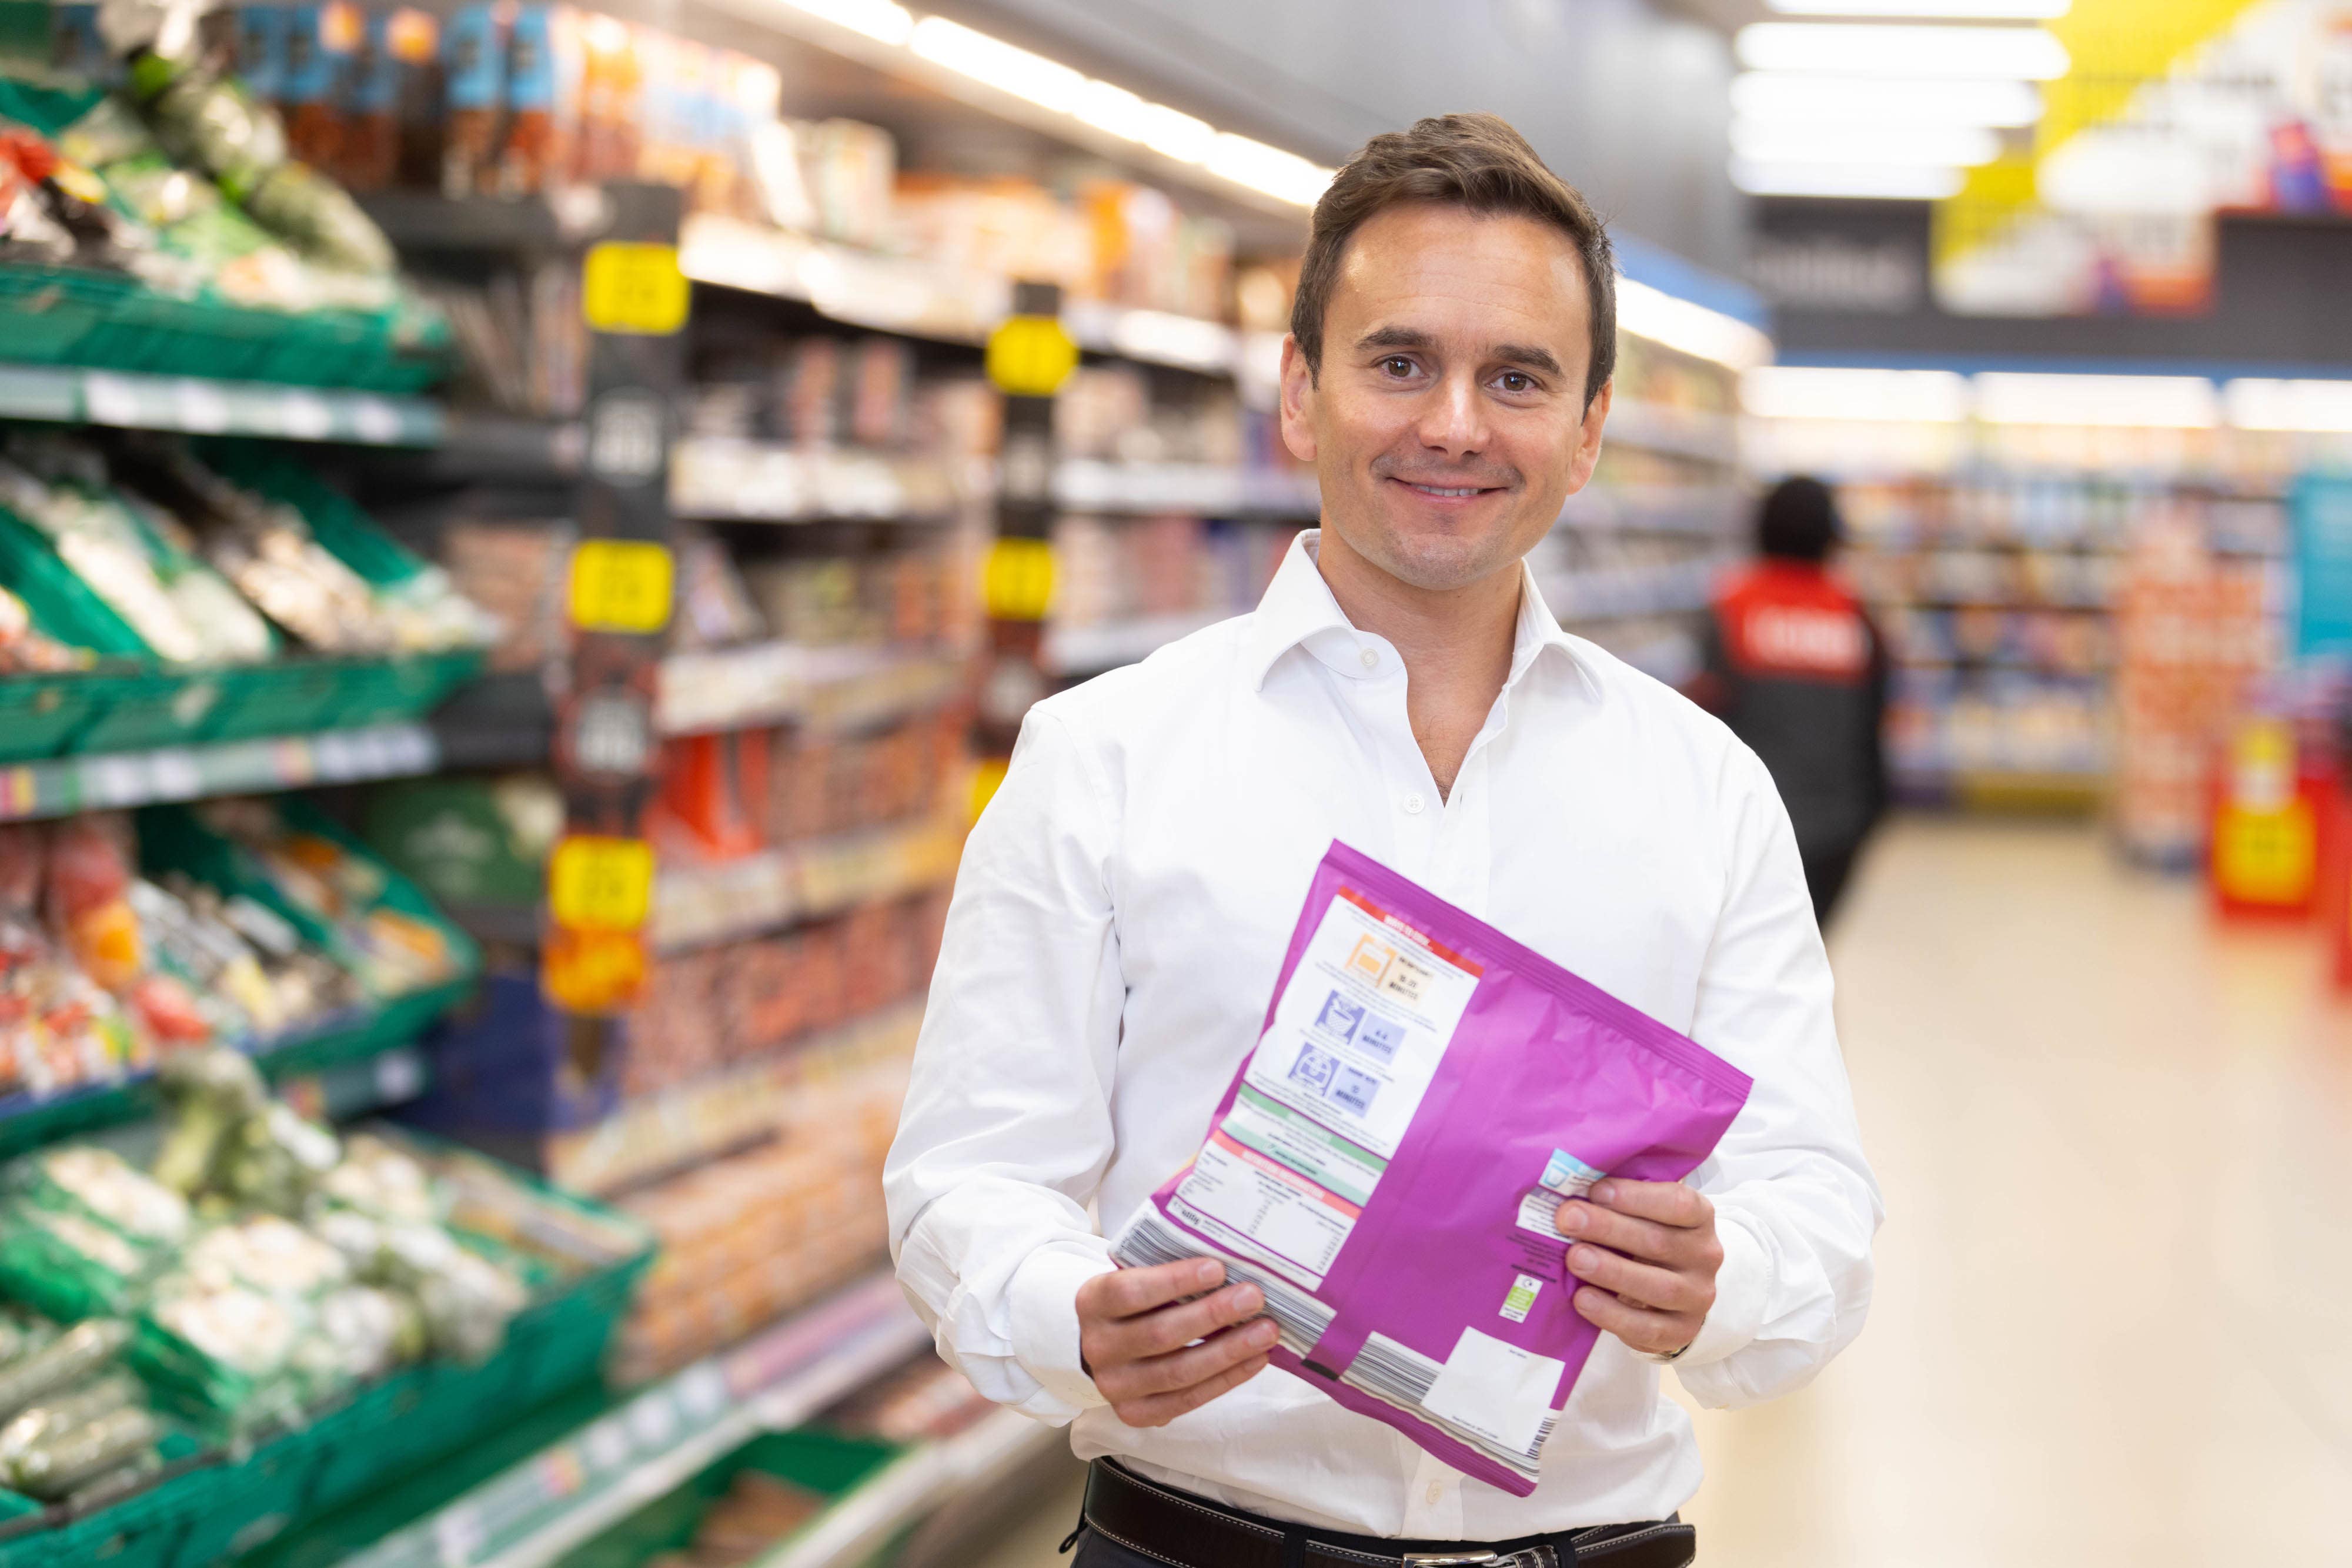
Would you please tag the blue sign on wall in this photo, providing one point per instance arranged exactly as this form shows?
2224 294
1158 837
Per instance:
2321 511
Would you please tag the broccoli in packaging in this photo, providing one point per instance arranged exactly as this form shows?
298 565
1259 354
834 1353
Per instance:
82 1232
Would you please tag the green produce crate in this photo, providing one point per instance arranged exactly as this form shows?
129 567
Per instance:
827 1463
39 714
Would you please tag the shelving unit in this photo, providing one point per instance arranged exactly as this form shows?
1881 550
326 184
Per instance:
199 407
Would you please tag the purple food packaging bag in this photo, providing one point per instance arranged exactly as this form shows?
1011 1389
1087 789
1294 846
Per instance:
1387 1163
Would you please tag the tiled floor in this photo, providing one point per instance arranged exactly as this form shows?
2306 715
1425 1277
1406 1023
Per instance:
2113 1320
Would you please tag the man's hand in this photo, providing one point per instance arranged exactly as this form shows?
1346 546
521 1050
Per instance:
1155 1356
1654 1285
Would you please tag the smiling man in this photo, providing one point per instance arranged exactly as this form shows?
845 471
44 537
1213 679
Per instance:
1126 900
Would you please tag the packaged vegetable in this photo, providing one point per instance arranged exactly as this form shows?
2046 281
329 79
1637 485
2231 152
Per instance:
1387 1161
224 1351
208 1094
73 1356
65 1410
267 1254
57 1464
89 883
276 1158
103 1184
66 1265
466 1300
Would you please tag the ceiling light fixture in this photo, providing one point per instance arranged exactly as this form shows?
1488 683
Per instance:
1689 328
2319 407
2010 54
1937 10
881 20
1859 181
1806 392
1049 84
1950 146
1267 169
1766 96
2169 402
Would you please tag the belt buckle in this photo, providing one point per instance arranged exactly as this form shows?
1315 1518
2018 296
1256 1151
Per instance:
1531 1557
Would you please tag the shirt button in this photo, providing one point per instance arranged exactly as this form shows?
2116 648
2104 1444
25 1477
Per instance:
1370 659
1413 804
1436 1491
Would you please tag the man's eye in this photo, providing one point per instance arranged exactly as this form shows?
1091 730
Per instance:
1517 381
1397 366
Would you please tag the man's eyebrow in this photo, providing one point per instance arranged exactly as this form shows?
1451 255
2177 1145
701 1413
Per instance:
1527 356
1396 337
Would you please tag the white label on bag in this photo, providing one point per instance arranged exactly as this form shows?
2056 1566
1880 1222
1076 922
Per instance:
1301 1224
1496 1390
1564 1177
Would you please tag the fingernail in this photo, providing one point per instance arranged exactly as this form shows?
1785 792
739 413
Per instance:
1207 1271
1262 1334
1580 1258
1571 1217
1604 1192
1251 1299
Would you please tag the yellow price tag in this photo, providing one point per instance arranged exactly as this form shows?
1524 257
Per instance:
592 971
1031 356
2266 857
621 585
1017 584
633 288
598 883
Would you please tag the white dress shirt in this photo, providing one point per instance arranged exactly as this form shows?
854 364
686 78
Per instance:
1118 921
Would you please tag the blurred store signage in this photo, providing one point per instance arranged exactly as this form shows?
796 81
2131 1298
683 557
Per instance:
1830 272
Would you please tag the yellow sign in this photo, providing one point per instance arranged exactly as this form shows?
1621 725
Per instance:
1031 356
597 884
635 289
1017 584
621 585
2266 857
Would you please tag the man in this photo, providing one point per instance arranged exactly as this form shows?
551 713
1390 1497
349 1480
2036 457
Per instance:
1796 670
1124 903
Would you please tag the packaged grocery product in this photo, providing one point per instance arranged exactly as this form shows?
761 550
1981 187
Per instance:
322 45
77 1353
474 60
89 898
226 1353
55 1463
1426 1089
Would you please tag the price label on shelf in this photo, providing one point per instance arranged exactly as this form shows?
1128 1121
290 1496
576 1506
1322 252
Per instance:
633 288
1031 356
1018 580
621 585
599 884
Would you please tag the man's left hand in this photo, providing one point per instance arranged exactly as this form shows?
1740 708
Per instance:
1647 1253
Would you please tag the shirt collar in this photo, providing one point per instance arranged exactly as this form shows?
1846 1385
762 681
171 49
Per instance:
1299 611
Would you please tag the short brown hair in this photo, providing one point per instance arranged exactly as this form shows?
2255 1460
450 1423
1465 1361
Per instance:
1473 161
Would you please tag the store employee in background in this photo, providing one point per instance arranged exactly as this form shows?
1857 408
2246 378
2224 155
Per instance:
1126 900
1796 670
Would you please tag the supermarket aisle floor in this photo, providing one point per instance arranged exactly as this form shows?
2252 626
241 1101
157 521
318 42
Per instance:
2116 1282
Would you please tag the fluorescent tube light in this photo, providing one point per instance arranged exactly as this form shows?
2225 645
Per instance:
877 19
2011 54
1049 84
1872 103
1957 146
1689 328
1266 169
2321 407
1862 182
1805 391
1940 10
1157 126
2171 403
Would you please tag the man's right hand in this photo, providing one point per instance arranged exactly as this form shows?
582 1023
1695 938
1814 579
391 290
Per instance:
1154 1354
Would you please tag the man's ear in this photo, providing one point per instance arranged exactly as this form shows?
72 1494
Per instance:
1588 446
1297 402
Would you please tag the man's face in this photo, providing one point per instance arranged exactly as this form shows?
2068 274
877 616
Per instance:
1448 423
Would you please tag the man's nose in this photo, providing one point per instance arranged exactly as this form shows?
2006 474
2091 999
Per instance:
1454 418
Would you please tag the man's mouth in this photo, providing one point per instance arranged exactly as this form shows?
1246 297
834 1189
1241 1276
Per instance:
1449 492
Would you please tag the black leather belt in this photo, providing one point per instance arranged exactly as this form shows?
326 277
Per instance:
1187 1531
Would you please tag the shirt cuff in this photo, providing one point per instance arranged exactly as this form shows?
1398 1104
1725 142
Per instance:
1743 1289
1043 1299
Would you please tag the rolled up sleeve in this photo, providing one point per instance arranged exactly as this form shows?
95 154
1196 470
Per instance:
1007 1130
1796 1204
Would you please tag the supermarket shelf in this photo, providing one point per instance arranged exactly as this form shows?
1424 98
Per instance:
1090 650
823 688
1675 511
1675 431
902 295
421 220
131 401
1623 592
749 481
1089 485
66 785
985 1456
694 906
1955 601
730 1110
530 1514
